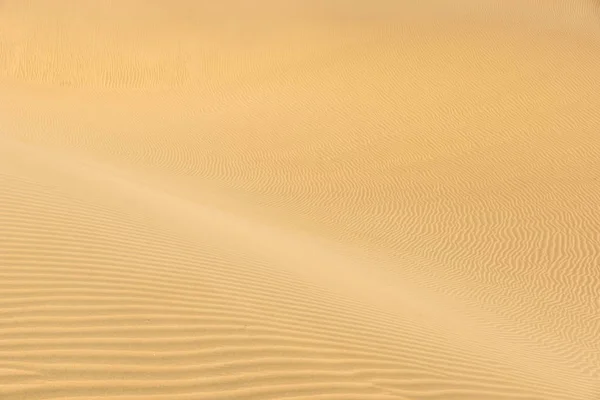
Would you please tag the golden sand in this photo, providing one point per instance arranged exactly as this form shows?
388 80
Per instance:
299 199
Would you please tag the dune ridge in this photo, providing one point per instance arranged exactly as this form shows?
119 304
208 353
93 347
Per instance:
317 200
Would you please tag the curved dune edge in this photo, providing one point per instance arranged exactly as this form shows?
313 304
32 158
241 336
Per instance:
299 200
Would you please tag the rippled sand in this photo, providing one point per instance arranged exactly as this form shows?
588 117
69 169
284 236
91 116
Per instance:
299 199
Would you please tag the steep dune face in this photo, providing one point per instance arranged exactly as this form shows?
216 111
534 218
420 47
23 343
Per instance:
320 200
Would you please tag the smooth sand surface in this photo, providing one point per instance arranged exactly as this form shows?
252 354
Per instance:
299 199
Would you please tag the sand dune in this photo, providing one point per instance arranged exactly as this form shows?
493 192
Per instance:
299 200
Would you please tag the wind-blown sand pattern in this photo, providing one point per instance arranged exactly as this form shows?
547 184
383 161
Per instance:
299 200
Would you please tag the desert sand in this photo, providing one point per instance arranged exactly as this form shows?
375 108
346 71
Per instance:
299 199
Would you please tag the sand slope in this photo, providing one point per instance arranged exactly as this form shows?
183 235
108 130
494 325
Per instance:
303 200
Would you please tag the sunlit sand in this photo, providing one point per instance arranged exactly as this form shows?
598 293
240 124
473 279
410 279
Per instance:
299 200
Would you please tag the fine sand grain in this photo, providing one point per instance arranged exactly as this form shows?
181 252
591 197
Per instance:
300 199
